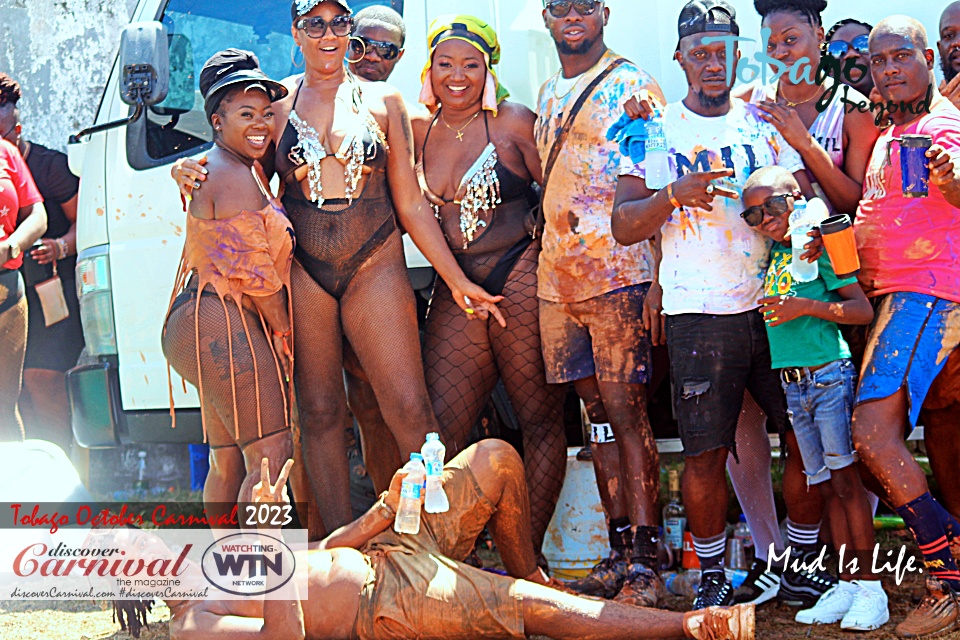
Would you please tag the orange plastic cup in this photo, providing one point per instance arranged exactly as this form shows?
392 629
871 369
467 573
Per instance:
841 245
690 559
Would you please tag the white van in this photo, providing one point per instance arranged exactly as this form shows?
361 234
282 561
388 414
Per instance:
130 220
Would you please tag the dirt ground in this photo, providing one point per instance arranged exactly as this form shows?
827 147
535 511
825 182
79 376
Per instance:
94 620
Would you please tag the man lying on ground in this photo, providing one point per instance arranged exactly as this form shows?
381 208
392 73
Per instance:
415 586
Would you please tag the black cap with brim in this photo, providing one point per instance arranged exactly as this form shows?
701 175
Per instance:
216 93
302 7
707 16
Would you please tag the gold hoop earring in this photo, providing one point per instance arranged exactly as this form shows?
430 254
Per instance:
363 55
293 56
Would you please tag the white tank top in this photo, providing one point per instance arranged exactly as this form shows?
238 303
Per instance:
827 129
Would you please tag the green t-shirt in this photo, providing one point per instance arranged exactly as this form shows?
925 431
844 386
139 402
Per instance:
805 341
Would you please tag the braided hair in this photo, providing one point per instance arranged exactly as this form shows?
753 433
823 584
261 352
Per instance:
132 615
808 9
845 22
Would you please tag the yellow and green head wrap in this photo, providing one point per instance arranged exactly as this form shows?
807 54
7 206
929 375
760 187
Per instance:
476 32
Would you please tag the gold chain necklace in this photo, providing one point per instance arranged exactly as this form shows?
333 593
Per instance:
779 94
460 130
575 84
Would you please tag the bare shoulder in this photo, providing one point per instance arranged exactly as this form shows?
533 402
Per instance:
420 120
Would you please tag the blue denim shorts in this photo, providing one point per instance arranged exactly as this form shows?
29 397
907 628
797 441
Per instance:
820 406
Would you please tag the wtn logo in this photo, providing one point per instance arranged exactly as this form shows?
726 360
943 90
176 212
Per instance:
258 564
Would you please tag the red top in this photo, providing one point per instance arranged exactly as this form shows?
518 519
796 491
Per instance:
17 190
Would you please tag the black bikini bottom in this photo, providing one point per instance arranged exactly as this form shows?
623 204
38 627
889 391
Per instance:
497 279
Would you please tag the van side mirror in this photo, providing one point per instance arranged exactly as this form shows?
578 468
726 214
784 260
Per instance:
145 72
144 63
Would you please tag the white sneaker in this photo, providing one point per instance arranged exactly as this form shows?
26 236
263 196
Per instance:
831 607
869 610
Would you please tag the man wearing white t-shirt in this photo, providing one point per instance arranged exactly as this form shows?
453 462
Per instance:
711 272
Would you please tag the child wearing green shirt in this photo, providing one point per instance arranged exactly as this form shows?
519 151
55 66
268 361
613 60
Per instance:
819 381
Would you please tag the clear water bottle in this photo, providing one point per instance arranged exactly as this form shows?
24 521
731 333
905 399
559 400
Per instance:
434 453
657 159
408 513
800 226
742 533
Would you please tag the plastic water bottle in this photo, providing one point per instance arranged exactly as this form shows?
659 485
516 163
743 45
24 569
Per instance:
742 533
434 453
800 225
657 160
408 514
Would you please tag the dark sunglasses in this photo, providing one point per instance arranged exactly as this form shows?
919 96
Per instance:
386 50
774 207
561 8
839 48
317 27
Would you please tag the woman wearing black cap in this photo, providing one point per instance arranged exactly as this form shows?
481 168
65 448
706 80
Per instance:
228 331
345 156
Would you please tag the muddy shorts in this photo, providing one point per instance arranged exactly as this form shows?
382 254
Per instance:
419 588
713 359
602 336
911 340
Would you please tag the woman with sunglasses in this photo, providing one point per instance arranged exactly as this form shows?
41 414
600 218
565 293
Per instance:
477 160
848 40
835 145
344 152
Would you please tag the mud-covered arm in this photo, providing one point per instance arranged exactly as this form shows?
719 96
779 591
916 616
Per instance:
374 522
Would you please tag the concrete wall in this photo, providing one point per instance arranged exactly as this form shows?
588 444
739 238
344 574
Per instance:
61 52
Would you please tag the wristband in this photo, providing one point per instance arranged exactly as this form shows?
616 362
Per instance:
670 196
62 247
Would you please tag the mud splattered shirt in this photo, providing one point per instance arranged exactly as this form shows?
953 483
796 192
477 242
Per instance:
580 259
909 244
712 261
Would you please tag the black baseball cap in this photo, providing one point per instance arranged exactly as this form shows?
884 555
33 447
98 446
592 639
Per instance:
703 16
232 67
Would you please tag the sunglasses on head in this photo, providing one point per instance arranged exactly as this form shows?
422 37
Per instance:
561 8
386 50
317 27
840 48
774 207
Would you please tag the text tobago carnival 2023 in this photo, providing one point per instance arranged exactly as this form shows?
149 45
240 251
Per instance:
746 71
86 515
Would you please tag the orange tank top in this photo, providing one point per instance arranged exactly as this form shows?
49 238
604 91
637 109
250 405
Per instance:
248 254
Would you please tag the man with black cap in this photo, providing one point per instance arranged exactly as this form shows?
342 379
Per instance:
591 289
717 341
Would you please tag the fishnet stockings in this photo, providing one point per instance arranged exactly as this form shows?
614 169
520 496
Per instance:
377 314
463 360
13 344
232 364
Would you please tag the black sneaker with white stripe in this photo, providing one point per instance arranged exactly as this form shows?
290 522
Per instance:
714 591
803 588
759 586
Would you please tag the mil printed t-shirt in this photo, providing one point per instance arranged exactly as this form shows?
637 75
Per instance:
17 190
580 259
712 261
909 244
805 341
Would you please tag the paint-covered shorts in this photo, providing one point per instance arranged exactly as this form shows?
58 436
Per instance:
602 336
418 588
912 337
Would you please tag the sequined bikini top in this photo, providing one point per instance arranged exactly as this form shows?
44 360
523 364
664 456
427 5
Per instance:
481 188
301 144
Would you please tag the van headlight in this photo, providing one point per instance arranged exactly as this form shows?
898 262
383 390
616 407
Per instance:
96 301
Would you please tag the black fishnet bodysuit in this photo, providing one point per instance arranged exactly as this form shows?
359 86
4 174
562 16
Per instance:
464 358
349 279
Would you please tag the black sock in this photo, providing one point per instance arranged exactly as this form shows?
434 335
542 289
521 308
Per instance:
621 537
926 521
644 551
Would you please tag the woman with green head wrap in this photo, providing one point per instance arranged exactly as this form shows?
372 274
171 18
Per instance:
477 162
